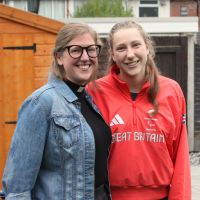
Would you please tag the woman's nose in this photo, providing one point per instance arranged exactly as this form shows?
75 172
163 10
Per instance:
130 53
84 56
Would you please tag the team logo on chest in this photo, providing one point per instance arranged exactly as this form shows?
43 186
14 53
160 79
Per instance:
149 135
116 120
151 122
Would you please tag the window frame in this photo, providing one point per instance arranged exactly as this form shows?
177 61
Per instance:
183 11
11 3
147 3
149 6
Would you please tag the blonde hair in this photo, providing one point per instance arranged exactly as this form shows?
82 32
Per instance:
65 35
151 71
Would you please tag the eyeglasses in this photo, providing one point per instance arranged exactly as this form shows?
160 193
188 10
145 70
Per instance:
76 51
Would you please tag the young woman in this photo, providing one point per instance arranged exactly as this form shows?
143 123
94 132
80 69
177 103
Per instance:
60 145
149 156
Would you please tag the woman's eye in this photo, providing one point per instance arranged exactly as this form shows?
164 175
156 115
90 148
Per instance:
75 50
120 48
91 49
136 45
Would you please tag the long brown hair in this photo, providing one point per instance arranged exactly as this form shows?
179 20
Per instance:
65 35
151 70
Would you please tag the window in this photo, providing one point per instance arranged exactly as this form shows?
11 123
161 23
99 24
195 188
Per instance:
33 6
6 2
54 9
148 8
148 2
184 11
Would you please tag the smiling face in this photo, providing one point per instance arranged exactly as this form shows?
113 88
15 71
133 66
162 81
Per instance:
130 53
78 70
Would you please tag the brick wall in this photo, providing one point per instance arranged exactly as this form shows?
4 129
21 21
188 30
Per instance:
175 10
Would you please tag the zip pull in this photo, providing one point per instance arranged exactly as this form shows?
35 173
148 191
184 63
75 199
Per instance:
134 114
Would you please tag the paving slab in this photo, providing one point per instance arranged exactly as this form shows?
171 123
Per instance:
195 179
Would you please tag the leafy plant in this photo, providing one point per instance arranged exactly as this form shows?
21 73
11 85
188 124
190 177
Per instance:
103 8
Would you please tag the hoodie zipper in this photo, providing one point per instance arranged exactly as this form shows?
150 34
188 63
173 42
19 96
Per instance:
134 114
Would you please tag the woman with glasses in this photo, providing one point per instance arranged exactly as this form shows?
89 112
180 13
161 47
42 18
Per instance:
60 145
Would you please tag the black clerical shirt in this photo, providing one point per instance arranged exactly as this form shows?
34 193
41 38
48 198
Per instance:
101 131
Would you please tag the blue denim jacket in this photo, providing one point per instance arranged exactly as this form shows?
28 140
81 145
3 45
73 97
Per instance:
52 153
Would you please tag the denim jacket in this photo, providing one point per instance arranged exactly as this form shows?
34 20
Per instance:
52 153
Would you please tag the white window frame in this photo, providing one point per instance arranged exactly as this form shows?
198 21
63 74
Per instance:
148 6
183 11
11 3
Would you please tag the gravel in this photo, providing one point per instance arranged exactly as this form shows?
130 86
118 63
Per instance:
194 158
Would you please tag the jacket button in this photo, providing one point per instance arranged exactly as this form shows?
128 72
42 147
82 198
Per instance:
89 147
89 172
89 194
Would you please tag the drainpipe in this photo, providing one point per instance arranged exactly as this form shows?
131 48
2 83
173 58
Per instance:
67 8
38 4
198 2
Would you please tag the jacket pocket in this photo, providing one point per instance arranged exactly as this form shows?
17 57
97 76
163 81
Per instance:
67 130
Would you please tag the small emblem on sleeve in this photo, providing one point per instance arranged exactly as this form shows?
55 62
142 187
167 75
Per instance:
184 119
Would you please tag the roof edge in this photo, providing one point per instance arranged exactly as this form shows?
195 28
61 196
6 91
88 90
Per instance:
141 19
30 19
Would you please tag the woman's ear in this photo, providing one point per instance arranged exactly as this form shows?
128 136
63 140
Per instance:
59 59
112 55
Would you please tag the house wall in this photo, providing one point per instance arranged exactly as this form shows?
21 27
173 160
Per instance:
135 5
71 7
159 25
175 10
164 11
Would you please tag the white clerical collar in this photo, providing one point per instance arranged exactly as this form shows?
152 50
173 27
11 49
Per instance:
81 88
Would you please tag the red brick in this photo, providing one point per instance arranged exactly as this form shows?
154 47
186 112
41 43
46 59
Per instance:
175 8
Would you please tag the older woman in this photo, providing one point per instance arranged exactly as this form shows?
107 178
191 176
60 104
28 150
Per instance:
60 145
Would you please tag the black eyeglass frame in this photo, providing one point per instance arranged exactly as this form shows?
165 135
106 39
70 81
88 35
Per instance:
82 48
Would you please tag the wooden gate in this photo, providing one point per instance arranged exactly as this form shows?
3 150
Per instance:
16 84
171 59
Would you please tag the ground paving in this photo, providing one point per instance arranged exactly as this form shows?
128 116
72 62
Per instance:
195 174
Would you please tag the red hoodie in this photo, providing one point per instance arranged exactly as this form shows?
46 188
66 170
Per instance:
149 156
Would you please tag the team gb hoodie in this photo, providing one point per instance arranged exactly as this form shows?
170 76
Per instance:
149 156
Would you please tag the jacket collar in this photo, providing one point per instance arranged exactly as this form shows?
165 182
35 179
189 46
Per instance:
123 86
114 73
62 88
